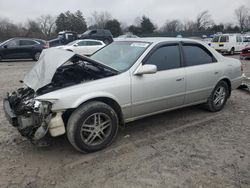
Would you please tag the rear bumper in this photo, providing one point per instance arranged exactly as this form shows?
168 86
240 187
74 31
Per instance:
11 117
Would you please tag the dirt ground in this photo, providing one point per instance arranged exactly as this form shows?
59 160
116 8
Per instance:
184 148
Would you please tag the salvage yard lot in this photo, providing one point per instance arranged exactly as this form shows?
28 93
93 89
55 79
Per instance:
184 148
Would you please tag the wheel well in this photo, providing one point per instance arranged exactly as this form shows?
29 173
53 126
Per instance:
229 85
112 103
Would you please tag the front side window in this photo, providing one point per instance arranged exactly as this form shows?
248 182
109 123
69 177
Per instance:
165 58
196 55
82 43
120 55
216 39
13 43
224 39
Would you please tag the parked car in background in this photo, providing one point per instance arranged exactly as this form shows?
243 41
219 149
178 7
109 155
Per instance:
83 47
245 53
22 48
208 40
98 34
88 98
63 38
127 35
229 43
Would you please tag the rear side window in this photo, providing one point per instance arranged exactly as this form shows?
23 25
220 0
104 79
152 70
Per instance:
165 58
196 55
224 39
27 42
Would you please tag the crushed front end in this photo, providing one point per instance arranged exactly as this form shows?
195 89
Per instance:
31 117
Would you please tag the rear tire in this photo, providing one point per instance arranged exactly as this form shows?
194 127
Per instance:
92 127
218 97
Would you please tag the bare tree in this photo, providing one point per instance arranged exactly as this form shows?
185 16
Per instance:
189 26
47 25
99 20
172 26
242 14
203 21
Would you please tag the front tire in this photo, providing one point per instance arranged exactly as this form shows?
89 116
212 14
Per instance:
92 127
218 97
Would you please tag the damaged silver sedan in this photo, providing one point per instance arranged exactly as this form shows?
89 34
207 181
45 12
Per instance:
88 98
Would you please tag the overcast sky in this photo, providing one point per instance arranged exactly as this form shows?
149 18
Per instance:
123 10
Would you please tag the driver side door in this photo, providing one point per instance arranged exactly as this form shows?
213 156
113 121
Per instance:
12 49
152 93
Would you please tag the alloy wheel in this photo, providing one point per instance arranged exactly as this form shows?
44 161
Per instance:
95 129
219 96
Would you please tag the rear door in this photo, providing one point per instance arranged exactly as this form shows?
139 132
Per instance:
27 48
202 72
163 90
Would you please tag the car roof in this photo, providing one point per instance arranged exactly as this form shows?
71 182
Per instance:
157 39
88 40
25 38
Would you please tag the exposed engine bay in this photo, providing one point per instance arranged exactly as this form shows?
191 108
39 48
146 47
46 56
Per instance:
32 117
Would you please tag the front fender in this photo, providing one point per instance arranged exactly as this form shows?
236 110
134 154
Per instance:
90 96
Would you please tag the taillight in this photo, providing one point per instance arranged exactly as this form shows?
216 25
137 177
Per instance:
46 45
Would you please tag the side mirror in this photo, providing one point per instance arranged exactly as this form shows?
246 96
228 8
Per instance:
146 69
75 45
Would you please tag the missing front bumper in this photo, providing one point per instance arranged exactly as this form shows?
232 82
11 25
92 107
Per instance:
32 124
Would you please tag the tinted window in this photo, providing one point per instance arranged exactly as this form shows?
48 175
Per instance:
196 55
224 39
93 43
167 57
27 42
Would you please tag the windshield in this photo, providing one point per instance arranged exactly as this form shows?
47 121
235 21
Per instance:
120 55
86 32
5 42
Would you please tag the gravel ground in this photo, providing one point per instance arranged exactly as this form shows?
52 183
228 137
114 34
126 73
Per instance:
183 148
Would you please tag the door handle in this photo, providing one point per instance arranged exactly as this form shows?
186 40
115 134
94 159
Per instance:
179 79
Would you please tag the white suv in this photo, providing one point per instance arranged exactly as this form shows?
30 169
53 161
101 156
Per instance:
229 43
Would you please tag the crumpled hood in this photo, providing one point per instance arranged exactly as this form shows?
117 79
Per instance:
44 69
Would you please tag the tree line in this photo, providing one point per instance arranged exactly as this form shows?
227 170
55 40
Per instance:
47 26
